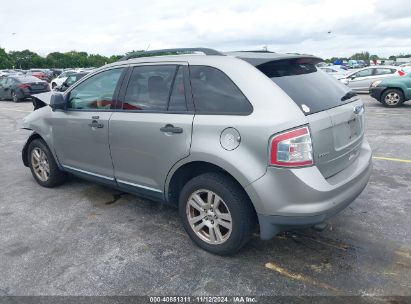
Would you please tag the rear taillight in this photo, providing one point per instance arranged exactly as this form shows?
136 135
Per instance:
24 86
292 148
401 72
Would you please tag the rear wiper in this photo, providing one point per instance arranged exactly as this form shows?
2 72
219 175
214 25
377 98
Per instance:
348 95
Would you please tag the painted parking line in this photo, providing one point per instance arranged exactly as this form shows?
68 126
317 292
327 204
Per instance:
377 112
299 277
15 110
392 159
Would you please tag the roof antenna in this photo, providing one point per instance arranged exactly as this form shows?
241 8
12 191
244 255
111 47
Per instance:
148 46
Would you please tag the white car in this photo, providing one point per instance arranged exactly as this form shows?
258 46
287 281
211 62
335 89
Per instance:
338 71
58 81
361 80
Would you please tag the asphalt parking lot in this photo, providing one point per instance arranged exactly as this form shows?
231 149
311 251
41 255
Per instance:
85 239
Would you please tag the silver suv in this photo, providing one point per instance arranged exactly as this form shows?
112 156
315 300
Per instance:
232 139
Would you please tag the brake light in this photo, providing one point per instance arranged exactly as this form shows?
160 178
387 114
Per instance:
24 86
401 72
292 148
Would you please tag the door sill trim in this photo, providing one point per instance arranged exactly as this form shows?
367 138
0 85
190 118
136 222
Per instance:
88 172
138 186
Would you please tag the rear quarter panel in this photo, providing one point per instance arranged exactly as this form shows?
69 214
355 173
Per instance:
273 112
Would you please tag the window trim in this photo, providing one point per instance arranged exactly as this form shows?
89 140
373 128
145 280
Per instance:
115 94
220 113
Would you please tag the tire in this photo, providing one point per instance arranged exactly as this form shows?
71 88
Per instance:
40 157
233 204
53 85
392 98
14 97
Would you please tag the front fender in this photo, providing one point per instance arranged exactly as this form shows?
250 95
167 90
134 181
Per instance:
37 122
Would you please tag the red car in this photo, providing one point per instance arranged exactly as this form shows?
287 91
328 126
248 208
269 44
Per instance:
40 75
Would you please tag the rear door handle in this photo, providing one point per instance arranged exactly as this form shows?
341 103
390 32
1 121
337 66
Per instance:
171 129
96 124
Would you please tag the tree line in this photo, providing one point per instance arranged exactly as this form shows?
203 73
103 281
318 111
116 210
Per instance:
367 57
27 59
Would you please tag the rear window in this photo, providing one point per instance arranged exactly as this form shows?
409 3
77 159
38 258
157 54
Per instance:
215 93
28 79
311 89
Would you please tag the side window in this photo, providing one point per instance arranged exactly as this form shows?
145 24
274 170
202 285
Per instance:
383 71
71 80
364 73
149 88
96 92
10 81
178 97
215 93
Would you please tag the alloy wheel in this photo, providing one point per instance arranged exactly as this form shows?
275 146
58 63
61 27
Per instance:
14 97
40 164
209 216
392 98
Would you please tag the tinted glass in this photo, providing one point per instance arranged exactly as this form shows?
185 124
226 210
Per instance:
215 93
71 80
381 71
149 88
178 97
96 92
364 73
308 87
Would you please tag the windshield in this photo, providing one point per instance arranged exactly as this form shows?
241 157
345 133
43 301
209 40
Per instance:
311 89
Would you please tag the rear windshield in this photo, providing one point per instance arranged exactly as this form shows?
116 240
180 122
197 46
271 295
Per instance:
311 89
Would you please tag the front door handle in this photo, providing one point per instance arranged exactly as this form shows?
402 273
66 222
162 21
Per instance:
171 129
96 124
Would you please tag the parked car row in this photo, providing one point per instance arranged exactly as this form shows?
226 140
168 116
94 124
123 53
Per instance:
18 86
44 74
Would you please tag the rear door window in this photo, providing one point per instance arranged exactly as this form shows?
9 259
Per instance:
312 90
380 71
215 93
178 98
364 73
149 88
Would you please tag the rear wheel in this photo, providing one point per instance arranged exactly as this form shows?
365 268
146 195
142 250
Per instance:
216 213
53 85
43 166
14 97
392 98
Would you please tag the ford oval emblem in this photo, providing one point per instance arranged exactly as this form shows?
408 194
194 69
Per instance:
358 109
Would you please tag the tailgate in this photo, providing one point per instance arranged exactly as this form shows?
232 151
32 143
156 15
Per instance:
337 135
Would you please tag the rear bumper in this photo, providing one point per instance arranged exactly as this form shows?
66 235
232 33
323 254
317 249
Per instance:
286 198
376 92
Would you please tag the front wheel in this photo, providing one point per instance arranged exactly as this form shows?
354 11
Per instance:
216 213
392 98
43 166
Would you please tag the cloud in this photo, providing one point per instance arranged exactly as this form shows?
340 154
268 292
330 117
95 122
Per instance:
115 27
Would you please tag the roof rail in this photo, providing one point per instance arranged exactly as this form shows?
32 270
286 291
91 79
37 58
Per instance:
165 52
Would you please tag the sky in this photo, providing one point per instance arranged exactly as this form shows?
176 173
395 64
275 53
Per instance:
324 28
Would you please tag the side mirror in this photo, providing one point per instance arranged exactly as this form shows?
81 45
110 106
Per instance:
352 77
58 102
